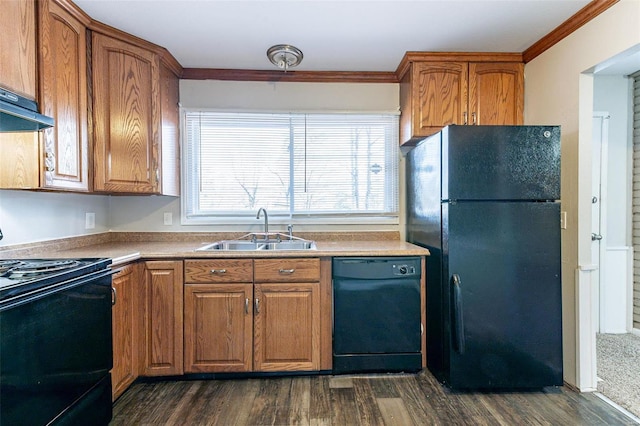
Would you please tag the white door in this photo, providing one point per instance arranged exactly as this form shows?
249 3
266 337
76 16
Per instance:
598 212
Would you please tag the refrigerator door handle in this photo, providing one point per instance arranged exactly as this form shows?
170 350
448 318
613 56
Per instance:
458 320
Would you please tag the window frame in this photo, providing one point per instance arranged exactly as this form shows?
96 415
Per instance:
274 217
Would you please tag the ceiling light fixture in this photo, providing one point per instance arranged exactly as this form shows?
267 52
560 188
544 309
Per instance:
284 56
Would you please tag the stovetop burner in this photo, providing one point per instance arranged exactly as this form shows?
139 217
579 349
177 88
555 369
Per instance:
22 276
27 269
6 265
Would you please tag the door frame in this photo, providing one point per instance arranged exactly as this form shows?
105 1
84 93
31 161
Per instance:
598 300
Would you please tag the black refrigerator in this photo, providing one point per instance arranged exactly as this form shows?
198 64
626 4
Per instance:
485 201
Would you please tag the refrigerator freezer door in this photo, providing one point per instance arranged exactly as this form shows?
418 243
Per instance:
504 257
500 163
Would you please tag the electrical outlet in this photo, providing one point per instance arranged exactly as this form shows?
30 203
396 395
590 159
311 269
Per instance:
89 220
563 220
168 218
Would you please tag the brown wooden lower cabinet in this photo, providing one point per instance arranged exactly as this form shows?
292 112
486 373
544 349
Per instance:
287 327
234 325
161 354
124 325
218 328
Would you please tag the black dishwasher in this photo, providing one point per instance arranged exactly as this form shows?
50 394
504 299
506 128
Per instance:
376 308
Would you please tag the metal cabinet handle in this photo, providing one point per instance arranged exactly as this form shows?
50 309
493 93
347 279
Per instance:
287 271
458 325
464 114
246 306
473 118
218 271
113 296
595 237
257 306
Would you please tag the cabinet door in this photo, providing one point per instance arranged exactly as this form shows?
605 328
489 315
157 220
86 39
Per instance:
19 152
63 95
19 160
163 299
218 327
124 325
18 47
126 112
439 96
496 93
170 137
286 327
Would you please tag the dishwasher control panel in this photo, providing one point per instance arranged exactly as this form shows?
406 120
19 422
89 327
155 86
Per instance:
404 269
376 268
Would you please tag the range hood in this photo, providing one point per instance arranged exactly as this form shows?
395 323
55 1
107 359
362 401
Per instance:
19 114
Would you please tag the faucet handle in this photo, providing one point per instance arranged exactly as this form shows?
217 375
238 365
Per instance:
290 231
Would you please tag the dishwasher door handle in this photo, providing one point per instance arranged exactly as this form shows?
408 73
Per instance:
457 317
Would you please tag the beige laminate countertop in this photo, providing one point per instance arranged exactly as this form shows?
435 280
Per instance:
124 252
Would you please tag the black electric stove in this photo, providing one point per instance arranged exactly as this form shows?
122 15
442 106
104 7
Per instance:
20 277
55 335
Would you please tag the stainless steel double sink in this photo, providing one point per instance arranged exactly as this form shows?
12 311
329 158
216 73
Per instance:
244 245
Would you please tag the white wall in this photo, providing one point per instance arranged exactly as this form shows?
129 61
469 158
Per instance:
27 216
613 95
557 92
147 213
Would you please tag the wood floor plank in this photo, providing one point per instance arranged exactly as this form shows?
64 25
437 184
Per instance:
419 407
319 401
394 412
382 386
343 407
370 400
271 397
236 399
366 403
299 402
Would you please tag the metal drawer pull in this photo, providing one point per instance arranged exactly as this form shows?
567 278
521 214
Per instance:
257 306
287 271
113 296
246 306
218 271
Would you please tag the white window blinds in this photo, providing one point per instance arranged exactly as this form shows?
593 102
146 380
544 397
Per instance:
334 165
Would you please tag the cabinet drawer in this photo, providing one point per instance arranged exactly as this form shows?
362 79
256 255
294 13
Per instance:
287 270
218 271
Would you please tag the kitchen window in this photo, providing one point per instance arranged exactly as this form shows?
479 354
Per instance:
333 168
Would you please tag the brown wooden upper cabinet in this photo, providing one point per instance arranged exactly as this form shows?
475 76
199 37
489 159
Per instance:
18 47
126 108
116 113
63 96
19 160
128 101
437 90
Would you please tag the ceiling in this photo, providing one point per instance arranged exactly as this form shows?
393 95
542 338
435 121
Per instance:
354 35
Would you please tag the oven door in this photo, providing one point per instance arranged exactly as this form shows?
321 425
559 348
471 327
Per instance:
56 354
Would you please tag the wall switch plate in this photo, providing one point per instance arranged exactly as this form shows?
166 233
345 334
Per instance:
89 220
563 220
168 218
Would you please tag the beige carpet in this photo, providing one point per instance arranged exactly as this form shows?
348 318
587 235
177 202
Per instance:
618 357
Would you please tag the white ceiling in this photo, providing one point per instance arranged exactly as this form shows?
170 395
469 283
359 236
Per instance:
354 35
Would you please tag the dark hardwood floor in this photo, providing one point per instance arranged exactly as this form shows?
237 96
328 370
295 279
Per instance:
403 399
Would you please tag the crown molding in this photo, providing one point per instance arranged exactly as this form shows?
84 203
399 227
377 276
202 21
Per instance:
581 17
289 76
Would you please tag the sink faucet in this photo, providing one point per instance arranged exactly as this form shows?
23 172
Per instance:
266 222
